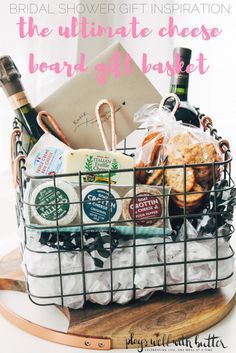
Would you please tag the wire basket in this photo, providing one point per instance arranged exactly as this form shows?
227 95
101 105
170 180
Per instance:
75 268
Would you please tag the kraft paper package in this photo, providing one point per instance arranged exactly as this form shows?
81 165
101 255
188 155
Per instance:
73 103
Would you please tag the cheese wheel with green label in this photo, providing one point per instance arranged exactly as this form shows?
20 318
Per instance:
101 204
50 204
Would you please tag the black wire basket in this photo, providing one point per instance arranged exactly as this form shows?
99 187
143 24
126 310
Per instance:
82 239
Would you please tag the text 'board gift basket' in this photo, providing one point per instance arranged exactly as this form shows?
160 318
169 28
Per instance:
118 225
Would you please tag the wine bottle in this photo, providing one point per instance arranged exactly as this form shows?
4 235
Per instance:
179 85
10 80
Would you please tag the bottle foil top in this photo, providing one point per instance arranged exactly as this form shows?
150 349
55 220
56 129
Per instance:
8 70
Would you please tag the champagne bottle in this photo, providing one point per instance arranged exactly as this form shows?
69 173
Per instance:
10 80
179 85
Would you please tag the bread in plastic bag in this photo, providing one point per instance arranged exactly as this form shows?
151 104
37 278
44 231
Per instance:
194 155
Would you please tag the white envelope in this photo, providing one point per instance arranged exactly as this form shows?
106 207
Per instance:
73 104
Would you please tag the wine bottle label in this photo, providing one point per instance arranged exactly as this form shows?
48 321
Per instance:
18 100
181 79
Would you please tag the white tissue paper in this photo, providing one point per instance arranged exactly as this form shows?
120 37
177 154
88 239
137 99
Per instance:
147 279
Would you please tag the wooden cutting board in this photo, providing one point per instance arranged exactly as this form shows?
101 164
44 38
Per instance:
164 318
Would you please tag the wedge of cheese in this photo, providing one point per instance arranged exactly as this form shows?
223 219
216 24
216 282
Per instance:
108 164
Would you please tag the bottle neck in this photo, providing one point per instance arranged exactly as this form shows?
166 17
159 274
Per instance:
16 95
179 86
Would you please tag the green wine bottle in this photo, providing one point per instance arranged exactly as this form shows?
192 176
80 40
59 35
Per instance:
10 80
179 85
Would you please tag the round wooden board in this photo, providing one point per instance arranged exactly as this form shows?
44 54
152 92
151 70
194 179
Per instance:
162 319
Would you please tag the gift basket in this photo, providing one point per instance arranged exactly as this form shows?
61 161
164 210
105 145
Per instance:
120 224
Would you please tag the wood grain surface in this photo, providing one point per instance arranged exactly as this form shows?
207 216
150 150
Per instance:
160 320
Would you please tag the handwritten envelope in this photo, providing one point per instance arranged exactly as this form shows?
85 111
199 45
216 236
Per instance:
73 104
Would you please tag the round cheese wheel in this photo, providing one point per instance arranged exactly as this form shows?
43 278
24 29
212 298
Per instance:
44 198
100 204
146 207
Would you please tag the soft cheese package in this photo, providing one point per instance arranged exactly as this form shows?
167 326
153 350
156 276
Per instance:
45 157
73 103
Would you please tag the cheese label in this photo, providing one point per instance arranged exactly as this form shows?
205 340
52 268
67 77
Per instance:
48 210
46 157
48 161
95 163
148 209
98 167
101 204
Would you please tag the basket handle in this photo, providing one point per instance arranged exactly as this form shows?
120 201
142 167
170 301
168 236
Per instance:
15 169
207 123
52 121
164 99
113 124
16 132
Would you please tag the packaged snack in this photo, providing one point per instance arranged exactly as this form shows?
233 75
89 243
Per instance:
190 156
195 148
149 153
